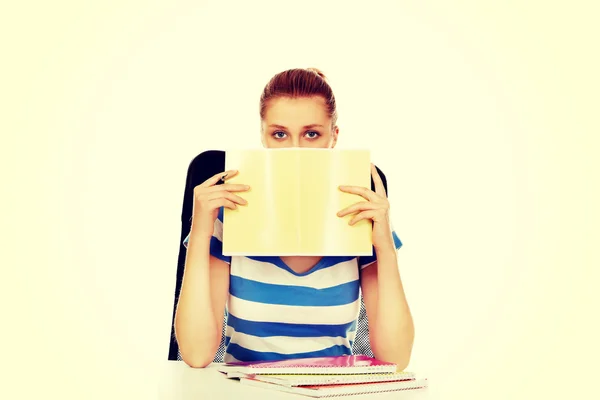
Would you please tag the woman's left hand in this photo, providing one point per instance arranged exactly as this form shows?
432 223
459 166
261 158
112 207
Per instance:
376 208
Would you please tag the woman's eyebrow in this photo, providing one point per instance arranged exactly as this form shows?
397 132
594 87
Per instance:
304 127
312 126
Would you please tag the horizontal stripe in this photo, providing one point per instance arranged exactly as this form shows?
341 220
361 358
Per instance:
367 264
397 241
216 250
228 358
266 272
218 227
286 344
290 295
241 353
365 261
325 262
268 329
261 312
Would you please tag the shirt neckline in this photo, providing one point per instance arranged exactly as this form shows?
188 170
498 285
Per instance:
276 260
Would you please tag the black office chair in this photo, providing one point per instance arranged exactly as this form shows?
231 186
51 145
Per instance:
202 167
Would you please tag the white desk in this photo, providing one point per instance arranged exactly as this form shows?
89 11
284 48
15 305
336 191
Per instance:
179 381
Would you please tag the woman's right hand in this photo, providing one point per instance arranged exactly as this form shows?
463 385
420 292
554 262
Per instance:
210 197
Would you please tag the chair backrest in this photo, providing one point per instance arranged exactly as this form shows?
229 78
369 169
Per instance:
202 167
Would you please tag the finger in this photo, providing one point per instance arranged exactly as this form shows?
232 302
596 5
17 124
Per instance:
229 187
363 215
363 205
225 194
217 177
222 202
361 191
379 186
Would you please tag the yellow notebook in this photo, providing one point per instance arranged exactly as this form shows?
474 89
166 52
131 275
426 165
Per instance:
293 202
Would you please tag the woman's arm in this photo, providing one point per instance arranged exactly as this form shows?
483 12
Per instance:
204 291
205 285
391 329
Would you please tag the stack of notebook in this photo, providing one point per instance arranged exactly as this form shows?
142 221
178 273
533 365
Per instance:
325 376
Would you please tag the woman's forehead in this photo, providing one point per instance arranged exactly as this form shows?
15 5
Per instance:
297 112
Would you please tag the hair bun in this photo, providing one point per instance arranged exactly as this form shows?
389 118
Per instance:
318 72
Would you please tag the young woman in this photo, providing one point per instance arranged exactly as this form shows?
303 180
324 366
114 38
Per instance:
290 307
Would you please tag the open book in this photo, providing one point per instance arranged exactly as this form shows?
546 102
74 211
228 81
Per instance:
293 201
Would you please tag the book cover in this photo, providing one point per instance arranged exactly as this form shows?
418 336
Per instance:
293 202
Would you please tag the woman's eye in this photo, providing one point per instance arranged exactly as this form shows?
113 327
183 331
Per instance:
279 135
312 134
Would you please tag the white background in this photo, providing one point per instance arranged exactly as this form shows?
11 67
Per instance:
481 114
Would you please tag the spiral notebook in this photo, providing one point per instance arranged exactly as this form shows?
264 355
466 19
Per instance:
293 202
355 364
316 380
340 390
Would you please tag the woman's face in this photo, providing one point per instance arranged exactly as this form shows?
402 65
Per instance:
298 122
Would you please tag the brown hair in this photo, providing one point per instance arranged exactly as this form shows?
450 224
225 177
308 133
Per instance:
299 82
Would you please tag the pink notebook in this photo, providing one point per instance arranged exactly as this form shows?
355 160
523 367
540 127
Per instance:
356 364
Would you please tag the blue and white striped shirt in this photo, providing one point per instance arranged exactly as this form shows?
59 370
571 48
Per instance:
274 313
